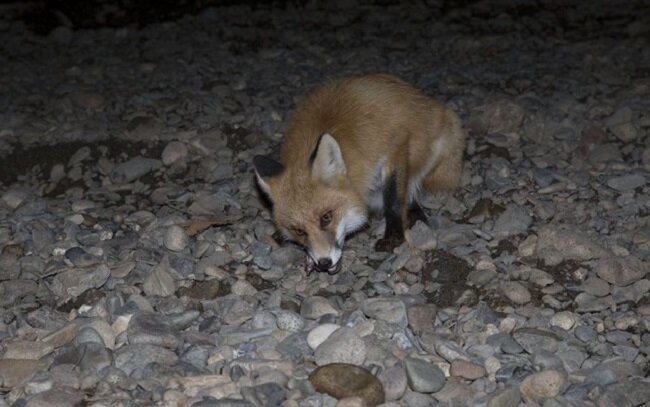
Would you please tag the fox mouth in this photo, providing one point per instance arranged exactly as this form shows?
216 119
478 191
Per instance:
311 266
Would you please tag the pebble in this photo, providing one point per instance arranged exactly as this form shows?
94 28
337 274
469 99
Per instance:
564 319
341 346
466 370
422 376
543 385
346 380
508 397
175 238
133 169
621 271
534 340
319 334
391 310
516 292
556 244
315 307
26 350
421 236
173 152
148 328
394 382
626 182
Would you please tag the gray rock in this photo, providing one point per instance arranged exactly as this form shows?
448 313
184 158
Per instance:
131 358
315 307
558 243
508 397
160 281
173 152
621 271
79 258
133 169
514 220
394 381
595 286
63 397
175 238
147 328
534 340
94 357
227 402
73 282
267 394
421 236
496 117
543 385
423 377
89 335
626 182
585 334
391 310
342 346
414 399
589 303
516 292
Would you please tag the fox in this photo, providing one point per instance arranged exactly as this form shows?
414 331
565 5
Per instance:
353 146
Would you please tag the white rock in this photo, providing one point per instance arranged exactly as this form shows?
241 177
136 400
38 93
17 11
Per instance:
175 238
318 335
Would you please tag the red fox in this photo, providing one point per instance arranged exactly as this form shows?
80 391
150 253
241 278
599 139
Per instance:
356 144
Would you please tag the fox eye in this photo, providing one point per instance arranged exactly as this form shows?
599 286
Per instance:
299 232
326 219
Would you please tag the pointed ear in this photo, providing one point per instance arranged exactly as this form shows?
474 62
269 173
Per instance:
265 169
327 163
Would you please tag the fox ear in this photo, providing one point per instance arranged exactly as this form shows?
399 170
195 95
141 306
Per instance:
265 169
327 161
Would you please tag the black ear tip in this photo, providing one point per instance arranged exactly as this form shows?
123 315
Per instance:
267 167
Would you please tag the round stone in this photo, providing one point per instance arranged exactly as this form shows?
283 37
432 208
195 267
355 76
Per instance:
516 292
342 380
423 377
342 346
319 334
543 385
466 370
175 238
564 319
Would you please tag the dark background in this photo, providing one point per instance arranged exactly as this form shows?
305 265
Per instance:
610 19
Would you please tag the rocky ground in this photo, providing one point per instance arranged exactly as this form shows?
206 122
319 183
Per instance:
139 267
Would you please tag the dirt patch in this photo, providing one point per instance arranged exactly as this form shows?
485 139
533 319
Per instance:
37 161
451 277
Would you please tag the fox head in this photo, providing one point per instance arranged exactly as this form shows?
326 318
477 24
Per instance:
314 203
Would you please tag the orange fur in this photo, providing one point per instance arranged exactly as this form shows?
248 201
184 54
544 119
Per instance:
384 127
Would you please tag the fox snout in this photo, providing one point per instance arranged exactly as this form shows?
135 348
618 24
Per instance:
323 264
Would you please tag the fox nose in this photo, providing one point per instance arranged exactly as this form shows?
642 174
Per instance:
324 263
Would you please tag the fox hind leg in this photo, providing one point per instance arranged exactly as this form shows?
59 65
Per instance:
394 210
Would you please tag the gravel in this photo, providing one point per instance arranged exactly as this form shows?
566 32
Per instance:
139 266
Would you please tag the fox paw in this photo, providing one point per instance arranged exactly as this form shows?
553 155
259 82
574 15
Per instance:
388 243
